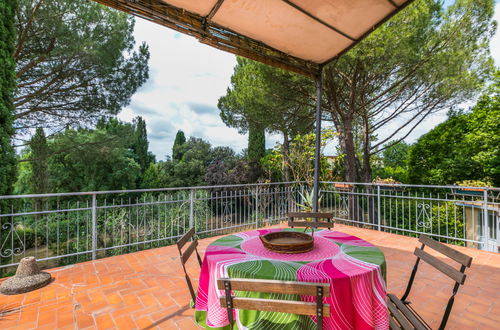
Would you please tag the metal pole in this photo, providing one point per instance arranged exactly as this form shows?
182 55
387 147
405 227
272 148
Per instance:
94 226
379 216
317 151
191 209
485 220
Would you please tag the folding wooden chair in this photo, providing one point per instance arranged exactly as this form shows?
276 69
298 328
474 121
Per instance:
184 257
292 222
318 290
403 316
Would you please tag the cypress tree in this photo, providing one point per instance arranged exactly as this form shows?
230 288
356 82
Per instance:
256 143
141 144
39 154
7 87
177 151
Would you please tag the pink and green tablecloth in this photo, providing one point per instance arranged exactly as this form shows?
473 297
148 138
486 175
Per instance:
354 268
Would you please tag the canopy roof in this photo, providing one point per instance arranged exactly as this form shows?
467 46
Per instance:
296 35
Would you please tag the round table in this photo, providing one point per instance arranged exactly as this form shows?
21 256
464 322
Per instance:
354 268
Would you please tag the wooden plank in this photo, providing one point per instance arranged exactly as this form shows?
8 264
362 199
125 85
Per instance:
314 224
318 215
393 324
189 251
275 286
187 236
441 266
451 253
408 314
280 306
398 316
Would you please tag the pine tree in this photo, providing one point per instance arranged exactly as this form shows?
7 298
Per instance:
256 143
7 87
177 151
39 154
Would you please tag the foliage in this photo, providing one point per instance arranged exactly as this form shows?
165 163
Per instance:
140 145
300 158
256 143
307 204
425 59
238 172
394 162
473 183
40 171
264 97
442 218
180 139
89 160
75 62
7 87
464 147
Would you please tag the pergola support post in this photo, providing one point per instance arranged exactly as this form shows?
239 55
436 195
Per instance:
317 150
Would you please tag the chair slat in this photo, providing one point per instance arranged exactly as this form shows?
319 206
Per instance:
398 316
459 257
189 251
407 313
317 215
272 305
275 286
312 224
441 266
184 239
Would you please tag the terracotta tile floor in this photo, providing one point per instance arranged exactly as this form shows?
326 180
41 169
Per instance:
146 290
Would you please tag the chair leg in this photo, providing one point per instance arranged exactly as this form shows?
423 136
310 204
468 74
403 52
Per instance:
191 289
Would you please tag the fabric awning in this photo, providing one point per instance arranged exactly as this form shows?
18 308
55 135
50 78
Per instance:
296 35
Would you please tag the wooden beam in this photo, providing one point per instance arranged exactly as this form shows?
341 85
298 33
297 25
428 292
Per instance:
388 17
319 20
214 9
393 3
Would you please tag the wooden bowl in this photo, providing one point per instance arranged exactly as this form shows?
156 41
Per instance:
288 242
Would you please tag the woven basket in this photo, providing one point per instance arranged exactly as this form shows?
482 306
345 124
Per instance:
288 242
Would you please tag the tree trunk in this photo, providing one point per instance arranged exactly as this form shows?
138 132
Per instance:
286 161
350 153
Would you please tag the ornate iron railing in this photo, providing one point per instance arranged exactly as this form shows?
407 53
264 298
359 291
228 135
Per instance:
64 228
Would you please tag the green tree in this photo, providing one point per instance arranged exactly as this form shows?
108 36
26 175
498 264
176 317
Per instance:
39 163
394 162
180 139
140 144
425 59
76 62
265 97
7 87
93 159
256 143
464 147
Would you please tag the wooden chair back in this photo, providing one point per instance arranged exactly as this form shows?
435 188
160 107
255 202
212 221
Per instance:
296 219
318 290
184 256
457 275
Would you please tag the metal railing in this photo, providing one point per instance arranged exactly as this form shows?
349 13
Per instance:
64 228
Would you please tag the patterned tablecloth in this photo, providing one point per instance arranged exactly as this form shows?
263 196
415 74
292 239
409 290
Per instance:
354 268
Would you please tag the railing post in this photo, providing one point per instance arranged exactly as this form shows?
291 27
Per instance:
485 219
191 209
94 226
256 206
379 217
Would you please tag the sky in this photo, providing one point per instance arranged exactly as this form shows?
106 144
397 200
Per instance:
186 80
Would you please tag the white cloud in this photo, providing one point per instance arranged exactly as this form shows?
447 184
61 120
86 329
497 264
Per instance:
186 80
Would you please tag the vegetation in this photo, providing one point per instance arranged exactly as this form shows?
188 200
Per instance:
75 63
464 147
7 87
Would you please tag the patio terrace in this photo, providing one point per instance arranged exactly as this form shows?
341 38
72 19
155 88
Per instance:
146 290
